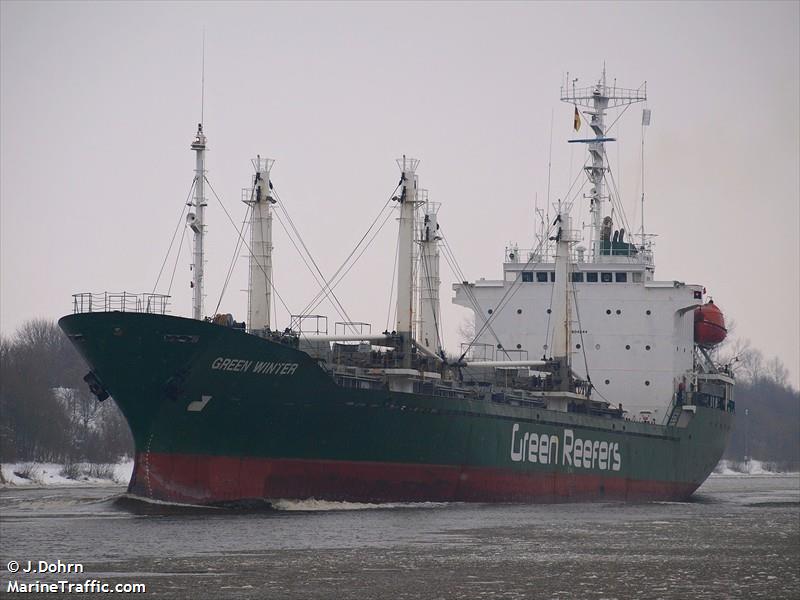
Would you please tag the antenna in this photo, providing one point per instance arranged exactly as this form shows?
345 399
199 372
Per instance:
645 122
203 79
550 162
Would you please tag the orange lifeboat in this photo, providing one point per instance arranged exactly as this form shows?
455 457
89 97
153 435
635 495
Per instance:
709 325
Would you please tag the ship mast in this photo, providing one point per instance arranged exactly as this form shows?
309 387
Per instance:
597 99
562 310
259 296
405 257
429 280
196 220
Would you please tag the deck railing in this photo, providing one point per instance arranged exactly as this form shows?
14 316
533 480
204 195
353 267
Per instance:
87 302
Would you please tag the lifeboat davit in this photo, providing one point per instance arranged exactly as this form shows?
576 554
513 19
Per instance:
709 325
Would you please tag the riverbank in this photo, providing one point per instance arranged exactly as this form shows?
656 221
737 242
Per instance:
35 474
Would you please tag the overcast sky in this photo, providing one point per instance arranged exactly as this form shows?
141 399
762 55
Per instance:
100 102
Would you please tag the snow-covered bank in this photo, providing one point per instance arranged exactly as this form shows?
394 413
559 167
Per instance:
39 474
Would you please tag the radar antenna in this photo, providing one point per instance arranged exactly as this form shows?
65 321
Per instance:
596 100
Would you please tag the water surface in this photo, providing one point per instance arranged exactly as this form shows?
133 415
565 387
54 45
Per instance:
738 538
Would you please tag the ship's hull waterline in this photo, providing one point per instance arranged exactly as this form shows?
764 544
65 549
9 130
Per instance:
220 416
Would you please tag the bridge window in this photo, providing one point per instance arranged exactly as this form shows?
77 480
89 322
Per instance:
621 277
527 276
591 278
553 276
606 277
541 276
577 277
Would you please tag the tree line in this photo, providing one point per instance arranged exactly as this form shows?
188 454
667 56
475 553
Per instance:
767 424
47 413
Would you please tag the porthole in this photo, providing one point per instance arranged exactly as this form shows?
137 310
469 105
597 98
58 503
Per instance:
647 382
549 311
577 346
499 346
608 311
490 311
648 312
545 346
627 346
597 346
619 312
647 347
519 346
608 381
519 311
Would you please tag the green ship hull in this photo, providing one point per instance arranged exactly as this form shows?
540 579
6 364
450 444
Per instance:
219 415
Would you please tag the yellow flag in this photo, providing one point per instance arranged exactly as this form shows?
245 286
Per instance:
577 120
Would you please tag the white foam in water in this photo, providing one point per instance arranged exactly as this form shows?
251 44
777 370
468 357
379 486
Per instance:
167 502
751 467
326 505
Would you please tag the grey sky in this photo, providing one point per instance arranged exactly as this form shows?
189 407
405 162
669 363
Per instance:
100 102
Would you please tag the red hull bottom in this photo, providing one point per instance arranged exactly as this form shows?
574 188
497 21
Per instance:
199 479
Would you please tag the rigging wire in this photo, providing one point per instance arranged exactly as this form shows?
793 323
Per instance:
353 251
394 275
618 203
505 299
250 250
580 331
335 302
236 251
333 284
174 233
305 262
452 262
426 274
455 268
177 259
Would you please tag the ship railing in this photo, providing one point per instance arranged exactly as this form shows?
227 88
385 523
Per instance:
88 302
632 251
305 323
478 351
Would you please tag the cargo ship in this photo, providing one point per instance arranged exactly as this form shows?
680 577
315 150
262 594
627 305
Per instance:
585 378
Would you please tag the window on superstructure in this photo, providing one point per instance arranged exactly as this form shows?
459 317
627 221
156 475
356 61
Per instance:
577 277
621 277
606 277
636 277
591 278
541 276
527 276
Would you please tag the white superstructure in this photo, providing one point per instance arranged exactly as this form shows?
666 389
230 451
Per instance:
629 334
